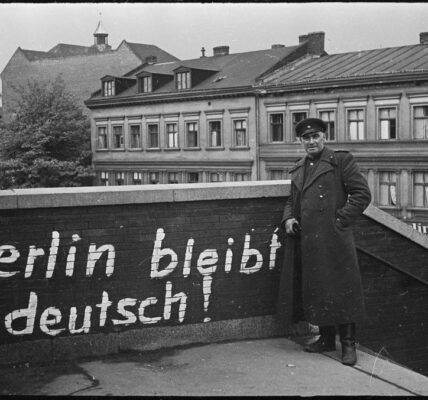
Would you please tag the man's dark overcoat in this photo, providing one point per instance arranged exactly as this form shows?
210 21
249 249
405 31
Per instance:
326 206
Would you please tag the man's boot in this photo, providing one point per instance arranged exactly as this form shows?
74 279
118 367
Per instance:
347 338
326 341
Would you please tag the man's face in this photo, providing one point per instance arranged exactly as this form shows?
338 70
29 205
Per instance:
313 142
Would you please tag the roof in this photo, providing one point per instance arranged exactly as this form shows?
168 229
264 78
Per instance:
67 50
62 50
100 30
358 64
144 50
229 71
33 55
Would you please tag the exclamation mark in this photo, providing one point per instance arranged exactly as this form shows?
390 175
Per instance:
206 287
206 266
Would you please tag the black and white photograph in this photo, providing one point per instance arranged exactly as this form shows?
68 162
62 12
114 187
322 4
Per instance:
214 199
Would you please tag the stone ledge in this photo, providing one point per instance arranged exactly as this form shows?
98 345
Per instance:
146 339
139 194
396 225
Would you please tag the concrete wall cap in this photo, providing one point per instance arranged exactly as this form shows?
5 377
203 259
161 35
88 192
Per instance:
396 225
135 194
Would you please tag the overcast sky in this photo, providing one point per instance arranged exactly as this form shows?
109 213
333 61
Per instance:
183 28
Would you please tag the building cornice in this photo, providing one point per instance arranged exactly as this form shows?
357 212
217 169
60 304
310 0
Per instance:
335 83
170 97
175 164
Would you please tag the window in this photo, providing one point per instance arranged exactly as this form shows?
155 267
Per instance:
240 176
120 178
356 124
240 132
102 137
153 135
193 177
104 178
329 118
387 188
276 174
118 137
420 189
172 177
172 136
216 177
388 123
146 84
214 131
276 124
137 178
135 136
420 122
183 80
154 177
108 89
296 117
192 134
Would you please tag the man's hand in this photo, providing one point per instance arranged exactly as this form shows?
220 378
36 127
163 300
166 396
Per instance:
289 226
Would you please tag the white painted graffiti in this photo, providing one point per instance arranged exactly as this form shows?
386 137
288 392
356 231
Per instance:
53 321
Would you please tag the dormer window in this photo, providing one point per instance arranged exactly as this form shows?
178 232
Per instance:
108 88
113 85
146 84
149 82
183 80
187 77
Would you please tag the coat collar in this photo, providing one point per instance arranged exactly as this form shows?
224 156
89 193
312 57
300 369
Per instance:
326 163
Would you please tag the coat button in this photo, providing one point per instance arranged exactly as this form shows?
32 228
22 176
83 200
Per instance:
321 196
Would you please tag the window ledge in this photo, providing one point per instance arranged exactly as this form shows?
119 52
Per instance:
214 148
117 149
172 149
192 149
102 150
153 149
135 149
390 207
240 148
417 208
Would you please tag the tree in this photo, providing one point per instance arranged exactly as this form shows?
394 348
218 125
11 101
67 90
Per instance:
47 143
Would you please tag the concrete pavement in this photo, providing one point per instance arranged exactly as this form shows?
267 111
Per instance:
274 366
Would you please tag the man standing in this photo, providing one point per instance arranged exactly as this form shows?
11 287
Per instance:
321 282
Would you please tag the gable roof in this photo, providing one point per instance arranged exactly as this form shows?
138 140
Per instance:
228 71
62 50
353 65
142 51
67 50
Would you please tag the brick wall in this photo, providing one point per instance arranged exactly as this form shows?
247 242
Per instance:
179 264
167 259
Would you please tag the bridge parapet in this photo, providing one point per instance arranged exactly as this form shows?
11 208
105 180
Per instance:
90 271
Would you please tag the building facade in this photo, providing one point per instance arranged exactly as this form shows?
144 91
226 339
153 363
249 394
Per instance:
375 104
80 67
195 121
186 121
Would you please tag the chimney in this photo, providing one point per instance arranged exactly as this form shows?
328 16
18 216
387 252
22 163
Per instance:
151 60
303 38
315 42
423 38
221 50
277 46
203 52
